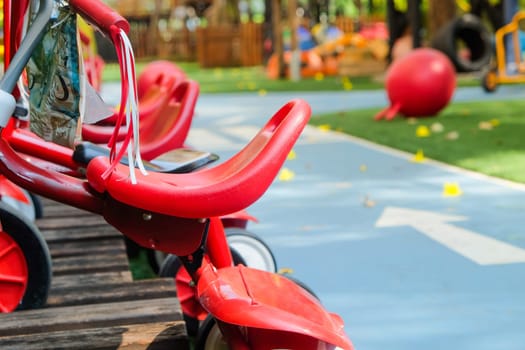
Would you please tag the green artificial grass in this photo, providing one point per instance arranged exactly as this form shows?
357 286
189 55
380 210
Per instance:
486 137
253 79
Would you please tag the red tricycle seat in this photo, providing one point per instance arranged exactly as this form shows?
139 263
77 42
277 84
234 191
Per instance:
168 121
226 188
155 98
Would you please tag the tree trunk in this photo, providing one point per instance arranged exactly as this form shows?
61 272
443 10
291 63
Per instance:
153 33
439 13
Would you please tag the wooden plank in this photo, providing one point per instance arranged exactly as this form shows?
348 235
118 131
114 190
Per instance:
81 294
54 210
93 302
87 221
80 233
94 316
89 264
89 279
158 336
89 247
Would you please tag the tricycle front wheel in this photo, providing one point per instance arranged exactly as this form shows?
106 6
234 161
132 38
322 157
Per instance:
210 336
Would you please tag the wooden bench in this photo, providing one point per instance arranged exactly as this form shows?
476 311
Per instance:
94 302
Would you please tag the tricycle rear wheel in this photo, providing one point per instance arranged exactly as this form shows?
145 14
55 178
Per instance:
25 263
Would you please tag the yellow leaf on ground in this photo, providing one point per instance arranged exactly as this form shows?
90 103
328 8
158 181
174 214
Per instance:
347 84
495 122
369 203
453 135
286 175
452 189
437 127
419 157
292 155
485 126
422 131
262 92
285 271
324 127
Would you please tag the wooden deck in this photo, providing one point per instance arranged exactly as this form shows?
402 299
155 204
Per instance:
93 302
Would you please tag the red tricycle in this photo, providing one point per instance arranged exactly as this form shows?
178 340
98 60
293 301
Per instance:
177 212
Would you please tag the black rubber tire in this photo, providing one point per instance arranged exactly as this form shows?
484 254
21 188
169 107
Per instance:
169 268
470 30
302 285
233 233
36 252
37 204
206 327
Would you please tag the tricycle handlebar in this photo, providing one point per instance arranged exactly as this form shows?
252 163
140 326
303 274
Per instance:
99 14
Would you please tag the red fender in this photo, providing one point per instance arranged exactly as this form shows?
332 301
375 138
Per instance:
265 302
238 219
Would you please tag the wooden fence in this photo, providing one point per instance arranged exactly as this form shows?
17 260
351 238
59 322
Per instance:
227 46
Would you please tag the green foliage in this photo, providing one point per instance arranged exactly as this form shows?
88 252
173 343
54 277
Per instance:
140 268
486 137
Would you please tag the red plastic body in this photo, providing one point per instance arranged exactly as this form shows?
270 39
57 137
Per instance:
165 120
24 141
226 188
238 219
268 305
155 72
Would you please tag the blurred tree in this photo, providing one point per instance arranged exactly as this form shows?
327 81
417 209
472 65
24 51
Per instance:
439 13
223 12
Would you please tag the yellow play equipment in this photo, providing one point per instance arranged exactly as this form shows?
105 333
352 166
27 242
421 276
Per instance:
499 72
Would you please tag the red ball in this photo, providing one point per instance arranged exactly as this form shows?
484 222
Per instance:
420 84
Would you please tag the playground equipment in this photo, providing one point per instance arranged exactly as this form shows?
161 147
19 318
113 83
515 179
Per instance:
419 84
466 41
347 54
499 71
176 213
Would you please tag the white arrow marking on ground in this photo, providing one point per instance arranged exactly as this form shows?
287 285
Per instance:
478 248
